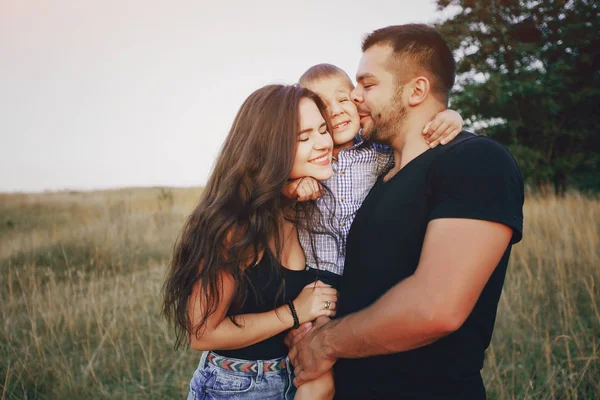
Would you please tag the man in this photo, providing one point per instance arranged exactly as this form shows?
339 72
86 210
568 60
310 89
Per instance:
428 249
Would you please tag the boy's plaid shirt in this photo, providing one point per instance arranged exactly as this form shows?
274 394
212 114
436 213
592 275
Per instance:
354 173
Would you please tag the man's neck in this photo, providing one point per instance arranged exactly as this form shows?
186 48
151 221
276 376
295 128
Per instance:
408 144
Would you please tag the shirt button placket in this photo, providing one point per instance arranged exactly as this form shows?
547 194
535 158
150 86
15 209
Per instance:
341 186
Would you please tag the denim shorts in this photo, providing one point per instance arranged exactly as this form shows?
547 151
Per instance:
213 382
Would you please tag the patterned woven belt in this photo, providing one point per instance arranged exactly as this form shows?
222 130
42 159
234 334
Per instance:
249 366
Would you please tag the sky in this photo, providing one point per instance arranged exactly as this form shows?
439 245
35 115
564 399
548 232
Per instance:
101 94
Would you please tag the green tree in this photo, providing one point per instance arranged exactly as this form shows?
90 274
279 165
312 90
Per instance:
529 76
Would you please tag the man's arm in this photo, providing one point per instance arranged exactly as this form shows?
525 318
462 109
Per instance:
458 258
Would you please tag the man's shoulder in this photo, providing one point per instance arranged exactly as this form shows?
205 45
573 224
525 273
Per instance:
468 140
470 147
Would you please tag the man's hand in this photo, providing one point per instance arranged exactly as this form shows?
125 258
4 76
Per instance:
295 335
303 189
307 353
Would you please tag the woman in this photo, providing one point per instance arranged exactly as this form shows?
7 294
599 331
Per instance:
237 280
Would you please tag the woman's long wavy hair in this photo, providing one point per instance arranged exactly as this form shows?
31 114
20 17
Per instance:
241 209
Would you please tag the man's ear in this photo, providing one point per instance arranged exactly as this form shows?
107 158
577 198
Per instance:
419 91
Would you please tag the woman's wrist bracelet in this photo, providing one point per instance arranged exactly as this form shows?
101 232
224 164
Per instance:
294 315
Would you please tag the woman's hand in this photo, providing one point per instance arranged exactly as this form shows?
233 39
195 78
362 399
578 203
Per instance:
316 299
443 128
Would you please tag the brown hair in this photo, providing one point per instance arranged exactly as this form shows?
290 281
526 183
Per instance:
322 71
241 208
425 46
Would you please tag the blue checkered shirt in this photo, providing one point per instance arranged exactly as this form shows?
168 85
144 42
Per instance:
355 171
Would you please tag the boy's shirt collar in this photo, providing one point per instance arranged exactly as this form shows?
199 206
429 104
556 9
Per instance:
358 141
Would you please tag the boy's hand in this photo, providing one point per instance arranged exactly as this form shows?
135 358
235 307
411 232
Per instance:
303 189
443 128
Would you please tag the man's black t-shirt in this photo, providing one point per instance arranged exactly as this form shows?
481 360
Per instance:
472 177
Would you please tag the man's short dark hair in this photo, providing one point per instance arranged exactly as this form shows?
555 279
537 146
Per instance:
425 46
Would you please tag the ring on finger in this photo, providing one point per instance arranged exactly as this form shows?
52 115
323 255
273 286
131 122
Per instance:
327 304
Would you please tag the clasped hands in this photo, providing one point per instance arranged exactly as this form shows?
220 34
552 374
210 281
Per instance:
307 352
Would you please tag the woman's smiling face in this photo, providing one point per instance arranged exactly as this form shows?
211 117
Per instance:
314 145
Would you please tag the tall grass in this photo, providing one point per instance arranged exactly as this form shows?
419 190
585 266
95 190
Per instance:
547 338
80 276
80 279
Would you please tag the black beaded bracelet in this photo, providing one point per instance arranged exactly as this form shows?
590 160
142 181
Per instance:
294 315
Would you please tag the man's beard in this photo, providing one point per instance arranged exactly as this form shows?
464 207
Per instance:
384 129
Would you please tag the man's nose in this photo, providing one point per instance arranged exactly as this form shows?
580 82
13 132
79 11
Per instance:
356 95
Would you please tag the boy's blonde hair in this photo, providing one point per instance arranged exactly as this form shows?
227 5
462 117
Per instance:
322 71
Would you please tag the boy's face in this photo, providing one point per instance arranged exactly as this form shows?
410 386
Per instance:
335 92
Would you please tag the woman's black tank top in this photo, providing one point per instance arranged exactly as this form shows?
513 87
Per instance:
262 292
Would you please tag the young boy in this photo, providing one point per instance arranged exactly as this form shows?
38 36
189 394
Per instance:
357 164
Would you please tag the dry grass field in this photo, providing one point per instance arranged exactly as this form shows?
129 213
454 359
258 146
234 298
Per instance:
80 277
